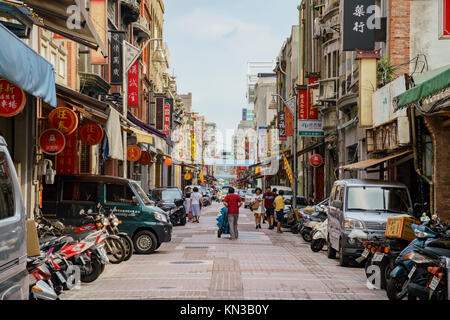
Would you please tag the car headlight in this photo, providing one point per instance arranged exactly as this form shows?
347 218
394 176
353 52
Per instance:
353 224
160 217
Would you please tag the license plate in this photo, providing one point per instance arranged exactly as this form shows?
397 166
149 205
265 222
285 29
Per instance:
365 253
434 283
378 256
412 272
60 277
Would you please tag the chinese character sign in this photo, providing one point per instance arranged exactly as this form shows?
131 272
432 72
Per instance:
91 133
66 161
282 126
12 99
133 153
52 141
313 113
160 113
166 130
289 123
446 19
360 23
133 85
63 119
116 56
302 104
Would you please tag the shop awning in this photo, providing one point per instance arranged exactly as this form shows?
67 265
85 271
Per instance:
59 18
25 68
76 97
363 165
142 137
428 88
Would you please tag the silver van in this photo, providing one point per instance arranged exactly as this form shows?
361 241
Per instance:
365 205
13 246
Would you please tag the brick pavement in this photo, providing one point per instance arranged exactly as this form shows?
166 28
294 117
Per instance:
261 264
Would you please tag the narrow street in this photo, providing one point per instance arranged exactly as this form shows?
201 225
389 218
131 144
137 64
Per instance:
260 265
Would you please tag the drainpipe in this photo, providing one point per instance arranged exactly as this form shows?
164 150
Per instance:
416 159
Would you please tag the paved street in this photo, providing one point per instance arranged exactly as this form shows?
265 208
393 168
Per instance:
260 265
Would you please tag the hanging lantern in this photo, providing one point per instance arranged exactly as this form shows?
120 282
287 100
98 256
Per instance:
168 162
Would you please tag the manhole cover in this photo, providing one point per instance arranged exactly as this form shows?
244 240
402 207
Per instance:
187 262
196 247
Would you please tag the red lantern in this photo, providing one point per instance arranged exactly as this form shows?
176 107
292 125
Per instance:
12 99
91 133
168 162
52 141
63 119
316 160
145 159
133 153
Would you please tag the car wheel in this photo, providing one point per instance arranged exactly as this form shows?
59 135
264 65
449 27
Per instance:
343 259
145 242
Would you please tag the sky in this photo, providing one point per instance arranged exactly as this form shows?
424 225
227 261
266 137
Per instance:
210 43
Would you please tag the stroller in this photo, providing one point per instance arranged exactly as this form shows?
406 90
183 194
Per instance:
222 222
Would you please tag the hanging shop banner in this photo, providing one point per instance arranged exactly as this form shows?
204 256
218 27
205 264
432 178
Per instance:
12 99
192 144
282 126
159 113
313 113
310 128
262 141
145 159
288 170
66 161
289 123
316 160
303 104
116 61
133 85
97 12
52 142
170 102
166 130
445 19
359 25
91 133
63 119
133 153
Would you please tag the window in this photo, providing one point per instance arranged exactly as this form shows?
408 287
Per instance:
119 193
80 191
386 199
7 205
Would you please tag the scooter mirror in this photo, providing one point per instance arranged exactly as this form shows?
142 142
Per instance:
82 212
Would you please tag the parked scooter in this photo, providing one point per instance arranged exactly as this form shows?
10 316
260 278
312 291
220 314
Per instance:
319 236
113 229
41 288
309 223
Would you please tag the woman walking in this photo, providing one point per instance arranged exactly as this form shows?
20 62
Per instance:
257 207
196 204
187 206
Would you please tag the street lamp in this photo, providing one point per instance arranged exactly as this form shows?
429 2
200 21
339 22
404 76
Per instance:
126 68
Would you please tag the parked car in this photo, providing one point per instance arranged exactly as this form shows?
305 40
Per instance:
171 200
365 205
248 197
13 247
148 225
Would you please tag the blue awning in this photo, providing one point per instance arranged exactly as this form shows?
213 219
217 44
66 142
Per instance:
25 68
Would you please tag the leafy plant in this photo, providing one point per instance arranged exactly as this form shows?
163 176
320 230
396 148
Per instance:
386 70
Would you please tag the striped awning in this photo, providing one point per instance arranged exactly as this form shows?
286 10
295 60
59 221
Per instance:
363 165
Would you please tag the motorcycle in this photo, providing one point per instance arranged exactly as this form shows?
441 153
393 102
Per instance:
309 223
397 285
113 229
319 236
42 287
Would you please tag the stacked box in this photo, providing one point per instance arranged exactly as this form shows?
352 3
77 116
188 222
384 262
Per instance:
399 227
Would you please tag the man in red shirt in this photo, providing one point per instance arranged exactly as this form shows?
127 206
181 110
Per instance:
268 199
233 202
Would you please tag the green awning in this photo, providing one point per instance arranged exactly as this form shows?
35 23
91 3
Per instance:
426 89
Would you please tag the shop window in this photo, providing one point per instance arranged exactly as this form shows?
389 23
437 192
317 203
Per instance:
7 192
119 193
80 191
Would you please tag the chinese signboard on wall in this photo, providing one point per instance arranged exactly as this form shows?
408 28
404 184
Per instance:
159 113
309 123
52 142
359 25
133 85
66 161
166 130
116 52
262 141
445 19
63 119
282 126
12 99
90 133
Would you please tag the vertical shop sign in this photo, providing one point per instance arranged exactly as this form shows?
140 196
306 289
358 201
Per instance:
192 144
313 113
170 102
159 113
66 161
289 123
97 12
133 85
262 141
282 126
166 130
303 104
116 52
444 17
359 25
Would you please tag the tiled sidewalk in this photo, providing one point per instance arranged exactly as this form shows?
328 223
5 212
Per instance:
260 265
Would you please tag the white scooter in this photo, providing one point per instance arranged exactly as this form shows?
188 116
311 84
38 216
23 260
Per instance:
319 236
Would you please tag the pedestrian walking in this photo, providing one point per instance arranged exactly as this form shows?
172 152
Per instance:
233 202
196 205
279 208
268 199
187 206
257 207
